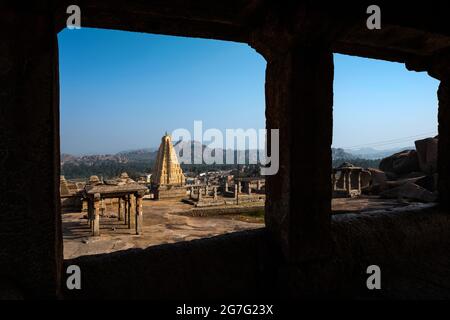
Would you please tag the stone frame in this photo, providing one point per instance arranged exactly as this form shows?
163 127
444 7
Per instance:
299 71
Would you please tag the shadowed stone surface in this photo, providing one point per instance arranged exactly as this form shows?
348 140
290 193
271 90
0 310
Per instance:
245 264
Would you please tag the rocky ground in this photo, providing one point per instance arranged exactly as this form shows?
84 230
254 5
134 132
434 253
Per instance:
367 203
162 224
166 221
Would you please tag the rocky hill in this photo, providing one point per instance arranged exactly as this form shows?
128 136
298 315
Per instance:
338 153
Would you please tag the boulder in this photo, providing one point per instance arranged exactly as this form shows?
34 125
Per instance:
378 177
366 179
399 182
428 182
378 181
427 153
401 163
411 175
410 191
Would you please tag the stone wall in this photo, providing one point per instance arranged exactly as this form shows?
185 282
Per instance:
246 264
30 220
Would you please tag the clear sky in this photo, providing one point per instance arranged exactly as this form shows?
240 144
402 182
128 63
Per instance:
376 102
123 90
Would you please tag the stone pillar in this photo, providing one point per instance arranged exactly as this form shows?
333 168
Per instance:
359 181
199 198
132 201
348 187
344 180
90 212
29 150
215 193
139 220
125 210
299 81
249 188
96 217
226 186
119 209
444 142
130 212
258 185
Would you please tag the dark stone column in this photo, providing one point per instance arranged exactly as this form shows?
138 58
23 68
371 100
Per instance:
444 143
299 99
30 221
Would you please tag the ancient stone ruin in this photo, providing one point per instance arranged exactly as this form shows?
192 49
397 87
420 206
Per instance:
238 191
128 195
409 175
71 194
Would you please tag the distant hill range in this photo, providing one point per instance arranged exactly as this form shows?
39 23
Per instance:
364 157
138 162
372 154
92 159
340 154
148 155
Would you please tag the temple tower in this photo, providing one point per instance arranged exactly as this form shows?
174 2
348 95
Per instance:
167 170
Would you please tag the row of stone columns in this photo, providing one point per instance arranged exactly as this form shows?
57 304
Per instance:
130 210
347 180
200 193
248 186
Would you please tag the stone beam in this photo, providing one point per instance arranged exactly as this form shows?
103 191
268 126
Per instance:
192 18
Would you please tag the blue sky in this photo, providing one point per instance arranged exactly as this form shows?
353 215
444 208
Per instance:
377 101
123 90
